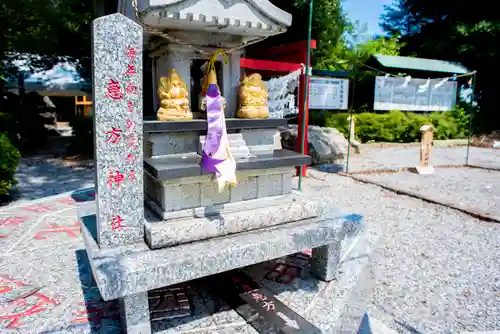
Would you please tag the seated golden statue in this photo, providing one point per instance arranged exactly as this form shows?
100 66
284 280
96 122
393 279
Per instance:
174 99
253 98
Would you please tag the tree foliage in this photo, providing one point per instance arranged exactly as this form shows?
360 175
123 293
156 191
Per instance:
44 31
456 31
340 43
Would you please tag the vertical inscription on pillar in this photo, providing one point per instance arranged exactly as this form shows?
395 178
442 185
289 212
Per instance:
117 86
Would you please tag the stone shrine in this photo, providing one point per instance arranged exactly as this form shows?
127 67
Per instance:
158 218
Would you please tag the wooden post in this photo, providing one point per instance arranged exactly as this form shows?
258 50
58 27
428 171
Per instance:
426 149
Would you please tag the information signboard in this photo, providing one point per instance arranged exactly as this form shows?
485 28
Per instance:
414 94
328 93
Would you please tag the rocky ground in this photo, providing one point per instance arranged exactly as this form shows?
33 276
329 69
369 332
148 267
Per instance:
437 269
395 157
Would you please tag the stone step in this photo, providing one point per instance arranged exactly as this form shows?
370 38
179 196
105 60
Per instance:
187 165
129 270
237 145
234 218
153 126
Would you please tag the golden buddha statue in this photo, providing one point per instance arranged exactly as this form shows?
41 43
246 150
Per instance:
174 98
253 98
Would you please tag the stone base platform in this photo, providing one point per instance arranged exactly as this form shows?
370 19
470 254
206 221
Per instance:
130 270
46 253
216 221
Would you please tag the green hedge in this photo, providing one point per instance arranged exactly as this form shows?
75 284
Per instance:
9 159
396 126
8 125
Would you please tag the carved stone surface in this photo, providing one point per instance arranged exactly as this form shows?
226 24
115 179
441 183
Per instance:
201 191
118 111
171 143
240 217
169 303
325 259
136 269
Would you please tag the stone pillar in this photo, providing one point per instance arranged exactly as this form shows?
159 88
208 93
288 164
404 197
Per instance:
426 150
117 59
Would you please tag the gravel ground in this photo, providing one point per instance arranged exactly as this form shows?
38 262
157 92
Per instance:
475 189
388 158
41 177
438 270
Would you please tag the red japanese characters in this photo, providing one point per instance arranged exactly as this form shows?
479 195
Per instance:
114 90
71 231
13 314
268 305
96 312
116 222
114 135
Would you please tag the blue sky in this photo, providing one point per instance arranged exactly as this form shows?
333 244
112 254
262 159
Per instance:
366 11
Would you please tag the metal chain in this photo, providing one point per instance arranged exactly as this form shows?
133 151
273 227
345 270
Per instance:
175 40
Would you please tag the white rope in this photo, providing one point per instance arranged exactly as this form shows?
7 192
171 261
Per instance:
281 90
175 40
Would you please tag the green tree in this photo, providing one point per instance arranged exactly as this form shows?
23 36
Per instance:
328 28
453 31
45 31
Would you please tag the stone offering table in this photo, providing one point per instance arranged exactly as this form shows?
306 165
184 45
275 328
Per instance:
158 219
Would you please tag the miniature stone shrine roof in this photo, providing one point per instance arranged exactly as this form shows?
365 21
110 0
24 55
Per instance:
237 17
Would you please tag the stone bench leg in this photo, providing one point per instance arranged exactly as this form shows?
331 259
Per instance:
325 261
134 313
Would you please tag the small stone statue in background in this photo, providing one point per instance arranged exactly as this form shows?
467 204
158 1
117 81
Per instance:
253 98
174 99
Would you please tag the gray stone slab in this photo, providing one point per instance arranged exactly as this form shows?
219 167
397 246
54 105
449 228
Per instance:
134 271
117 44
241 218
159 144
200 212
168 198
152 126
187 165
